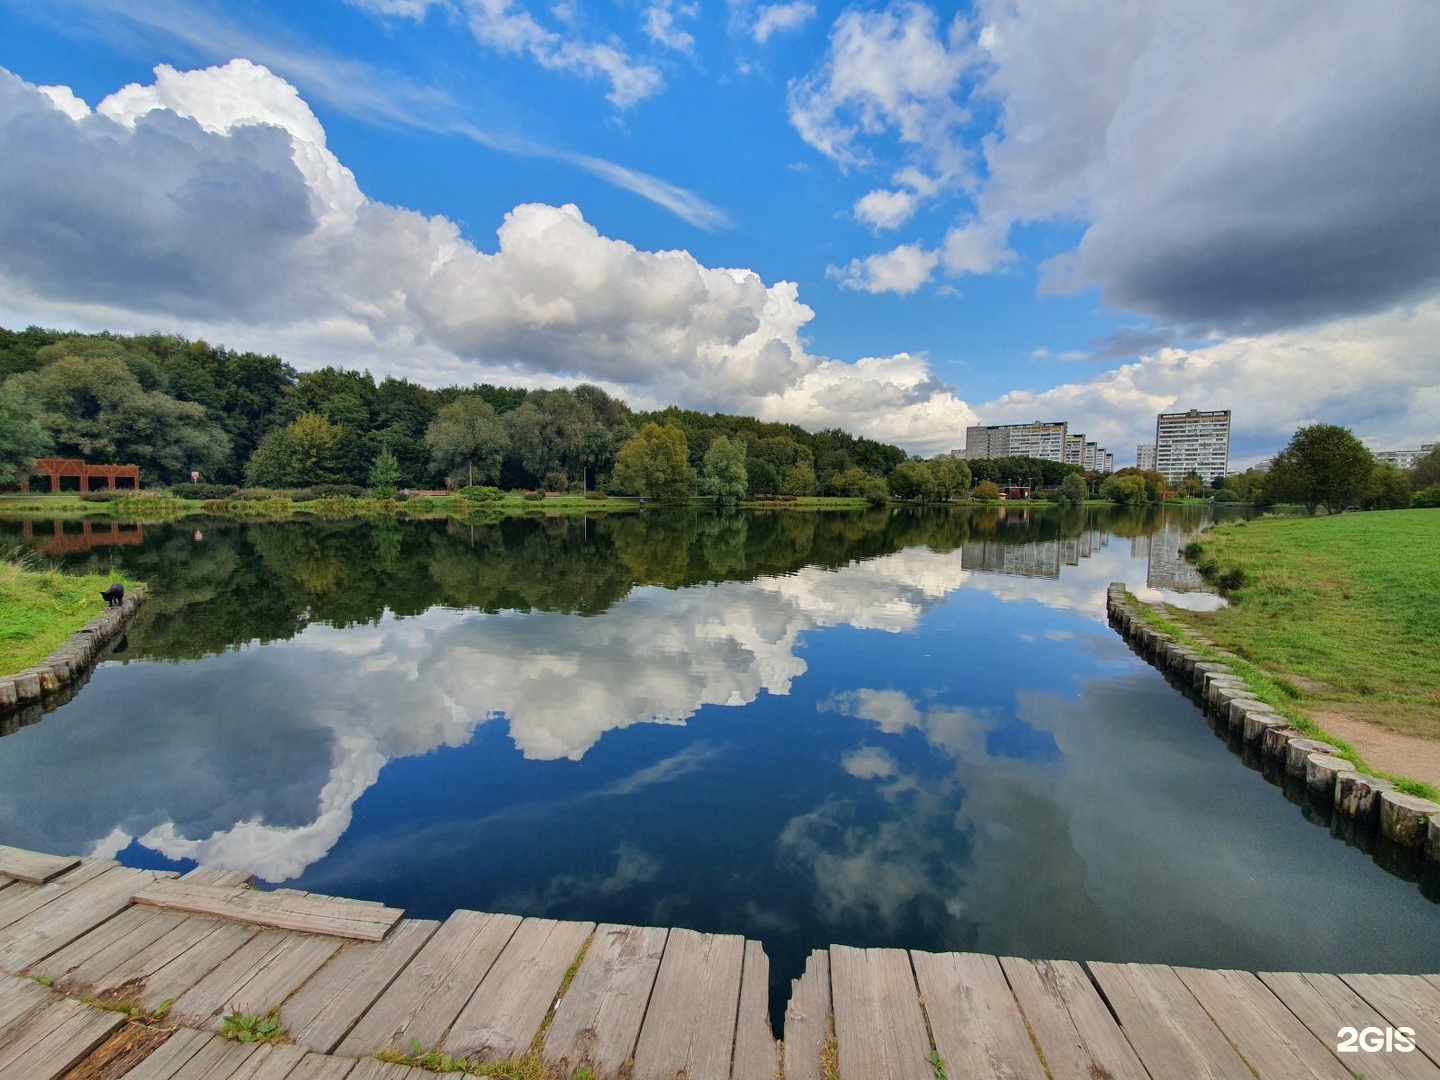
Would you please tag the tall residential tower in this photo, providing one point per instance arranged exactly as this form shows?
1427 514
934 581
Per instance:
1193 441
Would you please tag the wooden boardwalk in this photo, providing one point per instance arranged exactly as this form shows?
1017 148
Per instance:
350 979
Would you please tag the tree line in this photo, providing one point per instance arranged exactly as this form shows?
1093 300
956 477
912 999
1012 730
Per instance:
173 406
1322 465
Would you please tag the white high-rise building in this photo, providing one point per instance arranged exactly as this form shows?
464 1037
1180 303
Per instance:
1145 456
1087 458
1192 441
1040 439
1403 459
1074 449
1109 463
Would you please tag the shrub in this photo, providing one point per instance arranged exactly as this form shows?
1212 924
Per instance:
1227 495
257 494
103 496
481 493
596 495
328 491
217 506
556 481
534 496
1429 499
202 491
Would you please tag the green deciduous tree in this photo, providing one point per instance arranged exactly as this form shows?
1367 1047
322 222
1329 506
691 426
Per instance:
1427 470
798 480
724 474
655 463
1072 490
1323 465
913 480
1127 489
22 438
94 407
987 491
1389 488
465 438
951 477
302 453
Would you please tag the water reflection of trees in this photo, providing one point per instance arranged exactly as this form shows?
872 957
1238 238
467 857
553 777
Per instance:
263 581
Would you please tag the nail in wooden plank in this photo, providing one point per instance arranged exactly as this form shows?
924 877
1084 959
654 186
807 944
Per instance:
977 1025
879 1027
597 1022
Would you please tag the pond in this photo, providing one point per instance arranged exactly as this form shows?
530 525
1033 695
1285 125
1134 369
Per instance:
900 728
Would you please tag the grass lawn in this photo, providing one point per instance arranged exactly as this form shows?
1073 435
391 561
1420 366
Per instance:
43 608
1344 610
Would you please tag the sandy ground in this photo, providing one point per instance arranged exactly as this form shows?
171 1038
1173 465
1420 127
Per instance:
1388 751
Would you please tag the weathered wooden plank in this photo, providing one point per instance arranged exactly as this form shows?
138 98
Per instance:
308 914
371 1069
977 1025
598 1020
105 946
33 866
166 1060
501 1019
30 939
20 900
756 1052
807 1019
254 978
689 1026
55 1038
1170 1031
201 956
1272 1041
19 999
217 878
324 1010
1405 1001
879 1026
216 1060
320 1067
427 996
270 1063
1076 1032
1324 1004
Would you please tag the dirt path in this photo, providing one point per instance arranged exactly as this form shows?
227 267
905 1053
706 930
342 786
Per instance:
1388 751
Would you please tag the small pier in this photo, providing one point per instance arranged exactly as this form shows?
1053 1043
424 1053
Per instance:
110 972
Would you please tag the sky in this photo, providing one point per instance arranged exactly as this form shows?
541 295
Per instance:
899 219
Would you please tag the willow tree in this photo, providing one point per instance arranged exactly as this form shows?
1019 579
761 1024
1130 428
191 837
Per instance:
655 463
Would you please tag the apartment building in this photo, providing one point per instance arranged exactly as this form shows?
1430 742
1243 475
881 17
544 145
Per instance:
1193 441
1040 439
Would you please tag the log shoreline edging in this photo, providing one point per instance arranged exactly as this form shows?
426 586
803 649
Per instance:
1406 820
70 664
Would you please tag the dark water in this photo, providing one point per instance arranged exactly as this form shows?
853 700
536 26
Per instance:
882 728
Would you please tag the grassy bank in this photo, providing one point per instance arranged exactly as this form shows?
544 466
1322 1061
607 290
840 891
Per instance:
42 608
1332 616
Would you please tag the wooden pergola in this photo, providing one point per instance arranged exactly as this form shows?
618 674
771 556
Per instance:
55 468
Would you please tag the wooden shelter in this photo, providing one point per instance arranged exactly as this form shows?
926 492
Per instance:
56 468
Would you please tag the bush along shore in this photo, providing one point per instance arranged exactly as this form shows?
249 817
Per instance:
1236 696
56 628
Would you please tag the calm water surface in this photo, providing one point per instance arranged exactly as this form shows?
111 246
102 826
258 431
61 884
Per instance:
883 728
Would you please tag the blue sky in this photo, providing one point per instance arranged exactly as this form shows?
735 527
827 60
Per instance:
930 215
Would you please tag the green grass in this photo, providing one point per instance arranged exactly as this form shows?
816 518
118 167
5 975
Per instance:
43 607
1346 609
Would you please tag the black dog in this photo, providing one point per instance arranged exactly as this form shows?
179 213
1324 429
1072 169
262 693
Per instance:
114 594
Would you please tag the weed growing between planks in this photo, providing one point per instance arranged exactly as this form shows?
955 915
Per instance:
254 1027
